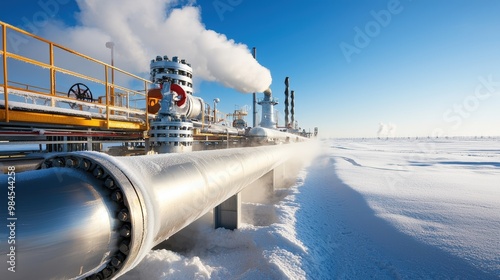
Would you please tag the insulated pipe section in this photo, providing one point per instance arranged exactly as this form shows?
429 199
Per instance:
262 134
93 216
218 129
62 225
193 108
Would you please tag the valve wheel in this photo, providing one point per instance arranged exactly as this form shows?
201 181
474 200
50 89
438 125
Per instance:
80 91
180 91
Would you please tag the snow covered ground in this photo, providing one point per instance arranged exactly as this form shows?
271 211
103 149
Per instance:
380 209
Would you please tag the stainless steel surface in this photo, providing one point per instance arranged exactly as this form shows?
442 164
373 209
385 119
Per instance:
218 129
170 136
21 163
183 187
178 70
264 135
177 189
64 227
72 218
193 108
267 103
171 130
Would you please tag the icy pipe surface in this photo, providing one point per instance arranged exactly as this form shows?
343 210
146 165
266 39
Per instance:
177 189
74 212
61 226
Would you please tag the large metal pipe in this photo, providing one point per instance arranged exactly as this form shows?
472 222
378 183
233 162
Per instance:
263 135
62 225
21 163
192 108
88 214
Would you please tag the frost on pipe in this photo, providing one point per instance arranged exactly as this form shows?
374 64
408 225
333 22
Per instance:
92 215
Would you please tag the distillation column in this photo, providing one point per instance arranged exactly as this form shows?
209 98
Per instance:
172 130
267 104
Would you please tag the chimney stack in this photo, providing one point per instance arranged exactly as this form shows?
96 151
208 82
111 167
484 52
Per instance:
286 101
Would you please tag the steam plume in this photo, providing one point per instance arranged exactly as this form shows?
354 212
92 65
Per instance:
386 130
141 30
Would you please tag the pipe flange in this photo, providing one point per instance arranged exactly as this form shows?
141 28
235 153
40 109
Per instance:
121 191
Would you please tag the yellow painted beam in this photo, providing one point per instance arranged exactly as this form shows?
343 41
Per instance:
48 118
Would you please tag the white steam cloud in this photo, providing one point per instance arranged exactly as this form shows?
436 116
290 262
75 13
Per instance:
386 130
141 30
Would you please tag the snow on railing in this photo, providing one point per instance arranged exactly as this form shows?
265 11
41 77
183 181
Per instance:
117 100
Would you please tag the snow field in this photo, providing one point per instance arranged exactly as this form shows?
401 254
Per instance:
379 209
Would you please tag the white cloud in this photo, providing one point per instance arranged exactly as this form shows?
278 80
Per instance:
141 30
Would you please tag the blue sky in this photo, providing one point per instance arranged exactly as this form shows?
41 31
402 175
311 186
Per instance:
359 68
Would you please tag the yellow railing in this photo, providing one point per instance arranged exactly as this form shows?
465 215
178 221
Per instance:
110 86
4 60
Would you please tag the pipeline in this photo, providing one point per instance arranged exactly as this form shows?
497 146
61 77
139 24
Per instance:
218 128
88 215
263 135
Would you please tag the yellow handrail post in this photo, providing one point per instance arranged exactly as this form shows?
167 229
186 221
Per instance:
107 94
52 75
4 56
147 104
